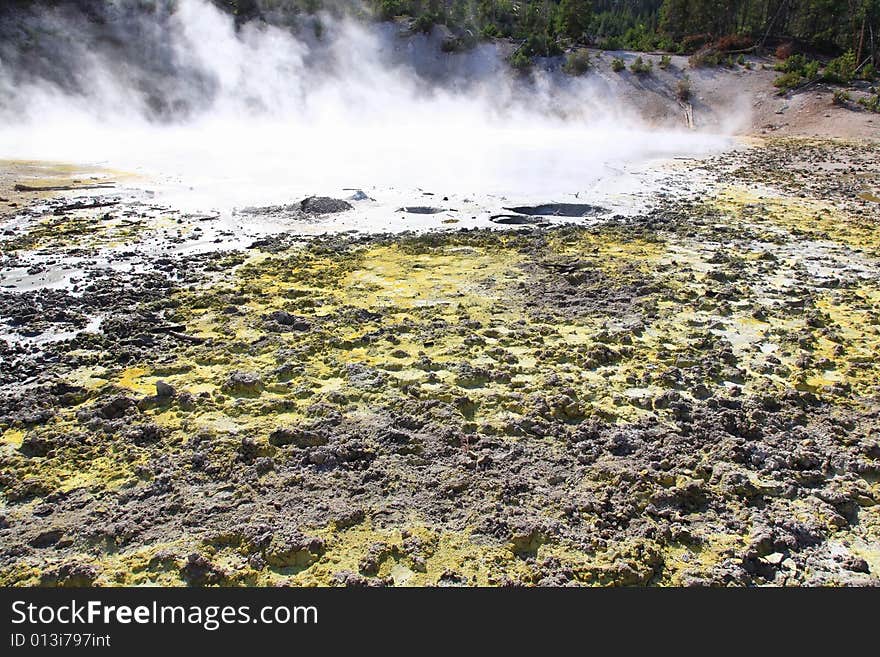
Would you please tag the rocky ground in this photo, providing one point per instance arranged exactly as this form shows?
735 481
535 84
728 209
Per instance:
686 396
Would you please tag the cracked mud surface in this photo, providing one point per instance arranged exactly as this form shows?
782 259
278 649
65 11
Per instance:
686 396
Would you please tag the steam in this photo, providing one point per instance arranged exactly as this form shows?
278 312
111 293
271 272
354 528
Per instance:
259 114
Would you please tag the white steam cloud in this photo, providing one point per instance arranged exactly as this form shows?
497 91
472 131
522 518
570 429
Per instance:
258 115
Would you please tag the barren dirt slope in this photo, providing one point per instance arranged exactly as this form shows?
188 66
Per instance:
737 99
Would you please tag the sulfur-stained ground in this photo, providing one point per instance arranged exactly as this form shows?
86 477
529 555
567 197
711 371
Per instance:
688 396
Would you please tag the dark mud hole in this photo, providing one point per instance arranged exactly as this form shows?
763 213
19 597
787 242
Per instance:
559 210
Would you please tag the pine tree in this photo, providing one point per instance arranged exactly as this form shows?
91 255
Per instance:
573 18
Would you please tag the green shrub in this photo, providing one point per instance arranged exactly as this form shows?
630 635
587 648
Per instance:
683 89
788 81
841 70
741 60
388 9
425 22
796 70
640 38
577 62
458 44
490 31
617 65
868 72
841 98
871 103
611 43
641 66
705 58
665 62
520 60
541 45
793 64
666 43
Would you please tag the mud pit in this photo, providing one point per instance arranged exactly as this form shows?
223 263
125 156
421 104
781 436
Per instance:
559 210
685 396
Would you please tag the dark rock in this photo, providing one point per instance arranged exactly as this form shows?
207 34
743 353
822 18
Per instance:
324 205
855 564
199 571
243 383
298 437
290 547
117 408
287 321
46 538
74 574
264 464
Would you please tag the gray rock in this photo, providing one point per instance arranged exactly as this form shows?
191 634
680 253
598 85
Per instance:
324 205
286 321
243 383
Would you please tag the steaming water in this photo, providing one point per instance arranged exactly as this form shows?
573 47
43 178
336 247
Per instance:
260 116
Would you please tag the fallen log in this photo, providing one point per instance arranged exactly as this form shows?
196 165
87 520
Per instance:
62 188
177 331
187 338
171 328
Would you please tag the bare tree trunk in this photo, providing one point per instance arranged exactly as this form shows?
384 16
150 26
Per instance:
861 40
744 15
873 48
782 6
